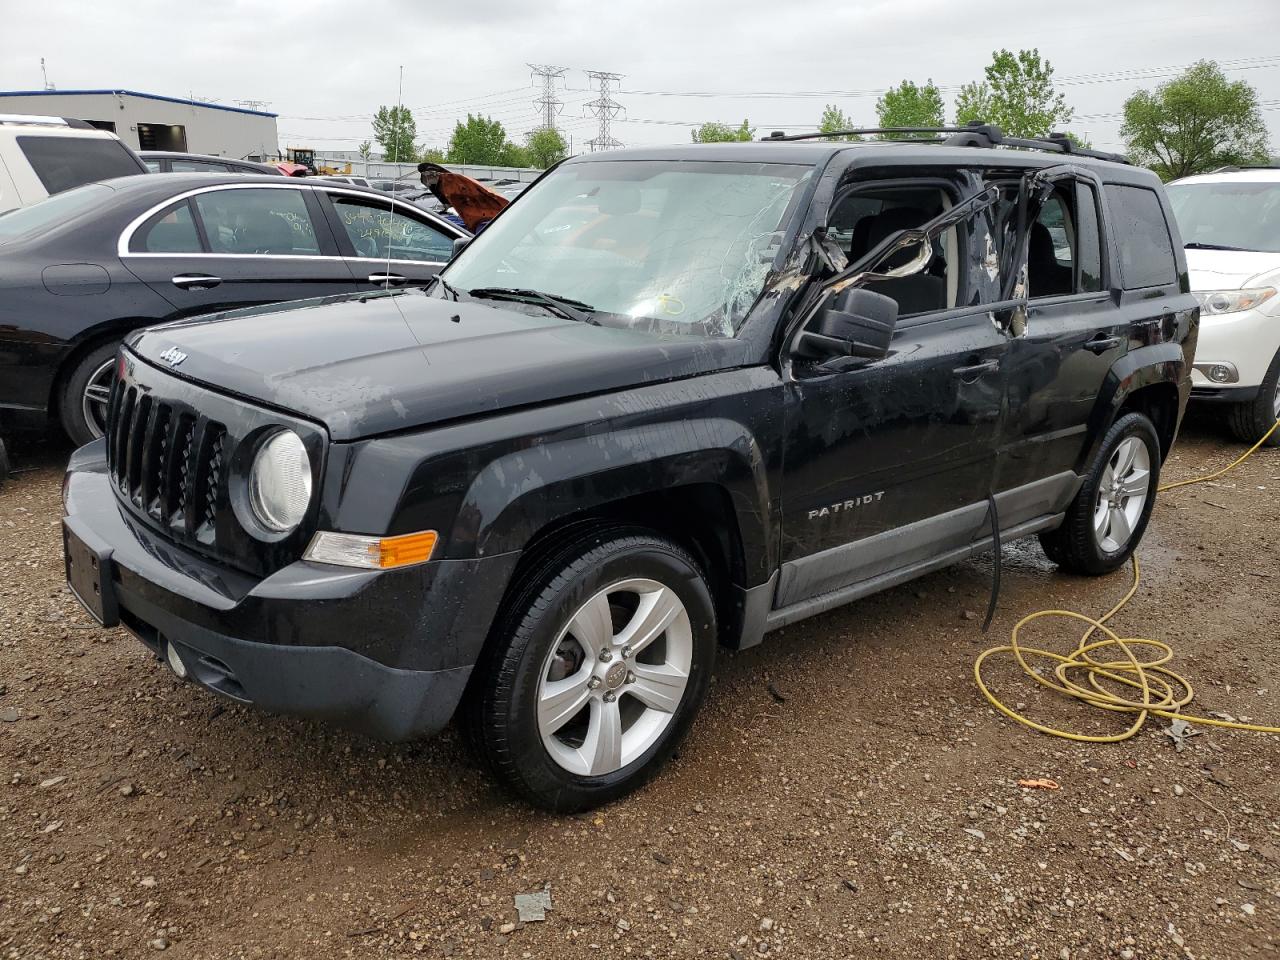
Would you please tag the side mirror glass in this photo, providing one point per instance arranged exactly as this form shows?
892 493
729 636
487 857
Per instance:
855 322
459 245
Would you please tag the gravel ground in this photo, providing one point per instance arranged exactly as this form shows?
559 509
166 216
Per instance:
845 793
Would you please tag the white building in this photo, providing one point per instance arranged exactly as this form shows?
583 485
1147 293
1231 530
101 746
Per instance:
147 121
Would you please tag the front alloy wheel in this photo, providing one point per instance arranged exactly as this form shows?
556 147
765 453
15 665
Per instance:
595 670
615 677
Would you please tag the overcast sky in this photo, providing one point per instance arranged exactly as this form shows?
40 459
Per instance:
325 66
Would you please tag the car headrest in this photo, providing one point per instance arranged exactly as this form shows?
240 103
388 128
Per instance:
618 199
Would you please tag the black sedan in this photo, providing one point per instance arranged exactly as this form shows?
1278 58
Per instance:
81 269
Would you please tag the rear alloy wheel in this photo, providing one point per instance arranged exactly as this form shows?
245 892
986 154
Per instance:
596 671
1121 499
1251 420
86 394
1106 520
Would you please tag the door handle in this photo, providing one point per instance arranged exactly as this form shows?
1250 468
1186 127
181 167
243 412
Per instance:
969 374
387 279
1103 344
195 281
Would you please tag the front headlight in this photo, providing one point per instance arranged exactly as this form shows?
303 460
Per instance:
280 482
1216 302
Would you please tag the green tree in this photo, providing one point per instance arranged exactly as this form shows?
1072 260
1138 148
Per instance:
433 155
365 150
712 132
546 147
833 119
395 129
1197 121
481 140
973 102
1017 95
514 155
908 105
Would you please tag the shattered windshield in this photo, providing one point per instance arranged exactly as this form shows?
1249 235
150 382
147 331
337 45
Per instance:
671 247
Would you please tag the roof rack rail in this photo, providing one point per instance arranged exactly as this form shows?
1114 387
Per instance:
972 134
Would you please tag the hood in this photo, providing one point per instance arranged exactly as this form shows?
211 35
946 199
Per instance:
1228 269
364 365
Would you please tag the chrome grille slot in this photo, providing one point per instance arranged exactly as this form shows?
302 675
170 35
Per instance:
133 449
183 475
120 436
206 496
153 460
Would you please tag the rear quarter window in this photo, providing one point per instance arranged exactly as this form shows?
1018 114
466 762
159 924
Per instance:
62 163
1142 237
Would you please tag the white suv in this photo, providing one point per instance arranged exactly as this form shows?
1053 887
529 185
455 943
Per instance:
44 155
1230 223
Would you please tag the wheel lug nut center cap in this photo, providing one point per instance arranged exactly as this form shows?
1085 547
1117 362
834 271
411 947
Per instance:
615 676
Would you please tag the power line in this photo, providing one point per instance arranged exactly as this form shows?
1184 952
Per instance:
604 108
1142 73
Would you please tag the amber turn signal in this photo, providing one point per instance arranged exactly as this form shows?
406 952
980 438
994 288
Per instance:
371 553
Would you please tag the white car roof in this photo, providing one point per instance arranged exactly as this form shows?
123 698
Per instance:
1246 174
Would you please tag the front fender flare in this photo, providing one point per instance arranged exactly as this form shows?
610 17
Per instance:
516 495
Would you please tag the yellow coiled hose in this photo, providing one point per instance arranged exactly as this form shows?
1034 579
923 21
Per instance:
1159 691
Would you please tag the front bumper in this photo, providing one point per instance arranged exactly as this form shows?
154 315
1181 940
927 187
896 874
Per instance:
358 648
1249 340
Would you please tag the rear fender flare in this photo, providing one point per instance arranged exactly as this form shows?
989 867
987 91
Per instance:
1158 363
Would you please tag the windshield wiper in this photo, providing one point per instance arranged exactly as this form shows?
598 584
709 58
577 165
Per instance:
1197 245
445 286
574 310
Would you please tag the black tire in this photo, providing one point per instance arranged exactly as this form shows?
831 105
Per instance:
500 713
71 404
1075 546
1250 421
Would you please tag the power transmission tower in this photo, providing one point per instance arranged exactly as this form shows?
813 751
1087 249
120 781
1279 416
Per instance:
604 108
548 104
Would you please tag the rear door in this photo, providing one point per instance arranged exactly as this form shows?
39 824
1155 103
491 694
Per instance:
387 242
237 246
1074 335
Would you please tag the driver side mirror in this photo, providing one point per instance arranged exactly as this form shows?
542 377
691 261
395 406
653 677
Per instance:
855 322
459 245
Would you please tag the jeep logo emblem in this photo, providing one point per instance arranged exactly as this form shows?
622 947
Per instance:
173 356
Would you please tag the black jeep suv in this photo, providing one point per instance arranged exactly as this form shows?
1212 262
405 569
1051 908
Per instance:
671 398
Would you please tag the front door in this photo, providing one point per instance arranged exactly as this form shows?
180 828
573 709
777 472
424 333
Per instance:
888 466
229 246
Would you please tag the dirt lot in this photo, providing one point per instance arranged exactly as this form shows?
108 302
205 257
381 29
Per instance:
873 812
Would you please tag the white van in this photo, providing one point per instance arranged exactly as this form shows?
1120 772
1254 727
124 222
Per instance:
1230 224
40 156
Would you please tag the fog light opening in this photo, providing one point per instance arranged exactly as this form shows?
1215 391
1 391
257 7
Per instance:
174 659
1219 373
